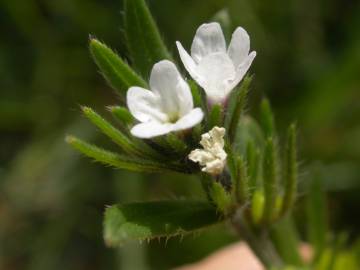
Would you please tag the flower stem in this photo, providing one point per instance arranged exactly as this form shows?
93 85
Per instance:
258 241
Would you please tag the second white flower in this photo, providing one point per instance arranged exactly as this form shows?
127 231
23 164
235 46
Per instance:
167 107
216 69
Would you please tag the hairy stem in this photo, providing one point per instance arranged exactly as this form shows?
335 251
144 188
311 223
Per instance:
258 241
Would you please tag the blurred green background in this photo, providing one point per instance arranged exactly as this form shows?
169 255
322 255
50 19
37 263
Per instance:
52 199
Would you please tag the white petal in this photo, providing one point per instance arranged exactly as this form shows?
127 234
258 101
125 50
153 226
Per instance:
191 119
241 71
208 39
151 129
165 80
189 64
239 47
218 70
144 105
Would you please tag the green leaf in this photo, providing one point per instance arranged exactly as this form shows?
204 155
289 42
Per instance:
248 130
241 182
290 170
117 73
119 161
148 220
237 105
253 162
239 176
267 118
145 43
122 114
220 197
113 133
316 214
286 239
270 180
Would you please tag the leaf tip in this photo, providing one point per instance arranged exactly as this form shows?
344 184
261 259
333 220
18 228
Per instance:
70 139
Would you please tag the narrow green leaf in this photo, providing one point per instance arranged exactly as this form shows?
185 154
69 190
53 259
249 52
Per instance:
290 170
220 197
316 215
248 130
241 182
286 239
267 118
113 133
237 108
253 161
119 161
117 73
122 114
145 221
145 43
270 180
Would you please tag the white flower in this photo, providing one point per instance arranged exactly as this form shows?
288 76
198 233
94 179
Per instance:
213 157
214 68
167 107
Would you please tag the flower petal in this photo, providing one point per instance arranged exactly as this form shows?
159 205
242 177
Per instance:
241 71
144 105
151 129
209 38
165 80
191 119
218 70
239 47
189 64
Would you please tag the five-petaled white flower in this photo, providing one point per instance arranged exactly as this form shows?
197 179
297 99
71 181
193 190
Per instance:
167 107
213 157
214 68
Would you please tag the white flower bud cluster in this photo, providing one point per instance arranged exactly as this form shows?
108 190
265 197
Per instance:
213 156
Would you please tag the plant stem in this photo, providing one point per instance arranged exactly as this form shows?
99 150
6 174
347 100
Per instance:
258 241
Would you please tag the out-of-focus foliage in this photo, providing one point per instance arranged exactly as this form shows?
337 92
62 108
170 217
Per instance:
52 200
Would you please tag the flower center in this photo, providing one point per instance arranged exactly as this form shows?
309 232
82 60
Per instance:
173 118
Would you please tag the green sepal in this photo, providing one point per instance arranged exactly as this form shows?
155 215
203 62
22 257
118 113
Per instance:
253 164
220 197
257 206
143 38
248 130
196 94
267 118
117 73
122 162
177 144
270 180
122 114
237 105
291 170
241 181
216 116
149 220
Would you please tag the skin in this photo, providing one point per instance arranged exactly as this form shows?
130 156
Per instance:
235 257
